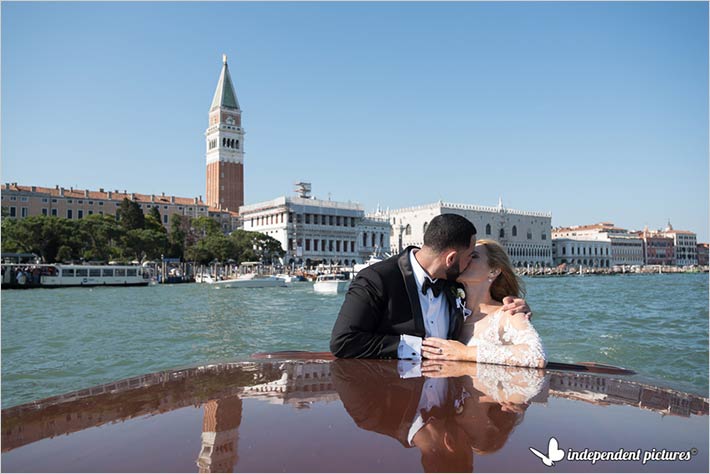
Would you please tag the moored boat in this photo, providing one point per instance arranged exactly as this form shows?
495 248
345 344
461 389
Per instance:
61 275
333 283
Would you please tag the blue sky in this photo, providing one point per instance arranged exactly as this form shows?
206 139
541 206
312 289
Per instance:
592 111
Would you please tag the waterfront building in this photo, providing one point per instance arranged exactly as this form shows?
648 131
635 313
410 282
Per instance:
657 249
25 201
591 253
225 147
625 248
686 245
313 231
702 253
524 234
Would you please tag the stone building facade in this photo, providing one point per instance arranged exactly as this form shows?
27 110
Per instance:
314 231
591 253
685 243
525 235
625 248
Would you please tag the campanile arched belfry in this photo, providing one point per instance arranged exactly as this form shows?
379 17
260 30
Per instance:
225 146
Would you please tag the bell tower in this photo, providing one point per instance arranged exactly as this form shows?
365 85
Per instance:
225 146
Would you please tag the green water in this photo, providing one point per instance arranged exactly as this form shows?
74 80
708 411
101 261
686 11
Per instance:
55 341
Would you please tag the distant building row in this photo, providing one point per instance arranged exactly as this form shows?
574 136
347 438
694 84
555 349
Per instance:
314 231
604 245
24 201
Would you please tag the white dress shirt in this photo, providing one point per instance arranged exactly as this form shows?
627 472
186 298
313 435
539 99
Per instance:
433 394
435 311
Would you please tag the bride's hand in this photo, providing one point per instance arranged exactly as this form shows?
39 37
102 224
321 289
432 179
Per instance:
435 348
517 305
447 368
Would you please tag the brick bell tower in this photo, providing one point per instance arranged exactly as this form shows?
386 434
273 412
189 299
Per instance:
225 146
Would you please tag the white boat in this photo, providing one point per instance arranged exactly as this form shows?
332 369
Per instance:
333 284
376 257
59 275
204 278
247 281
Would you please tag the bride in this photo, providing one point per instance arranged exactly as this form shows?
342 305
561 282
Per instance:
489 334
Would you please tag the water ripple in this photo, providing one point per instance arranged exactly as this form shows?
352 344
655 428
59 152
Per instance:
54 341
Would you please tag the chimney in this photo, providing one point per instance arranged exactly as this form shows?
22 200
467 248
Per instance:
71 188
172 199
162 194
7 185
86 193
61 192
101 190
34 189
56 187
133 196
110 194
152 198
200 197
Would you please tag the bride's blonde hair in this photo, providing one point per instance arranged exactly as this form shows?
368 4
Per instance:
507 282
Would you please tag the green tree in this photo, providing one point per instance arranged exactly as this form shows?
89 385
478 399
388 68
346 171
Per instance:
101 236
198 252
176 236
205 226
64 254
251 246
130 215
155 214
139 244
43 235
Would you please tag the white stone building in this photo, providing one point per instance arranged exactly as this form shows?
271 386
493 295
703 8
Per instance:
525 235
686 245
313 231
592 253
625 248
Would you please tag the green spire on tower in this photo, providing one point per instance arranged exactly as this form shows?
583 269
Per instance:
224 96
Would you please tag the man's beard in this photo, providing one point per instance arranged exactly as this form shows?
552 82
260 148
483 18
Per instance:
453 272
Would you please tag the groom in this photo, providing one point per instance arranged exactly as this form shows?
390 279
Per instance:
392 305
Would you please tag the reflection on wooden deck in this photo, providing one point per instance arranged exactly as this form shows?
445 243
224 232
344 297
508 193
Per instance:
220 389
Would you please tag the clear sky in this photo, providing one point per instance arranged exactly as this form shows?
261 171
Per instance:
591 111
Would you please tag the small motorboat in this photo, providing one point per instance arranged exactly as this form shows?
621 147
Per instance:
332 283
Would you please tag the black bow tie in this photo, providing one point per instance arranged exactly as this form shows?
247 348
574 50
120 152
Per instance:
436 287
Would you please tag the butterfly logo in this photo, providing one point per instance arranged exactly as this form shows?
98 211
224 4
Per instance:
554 453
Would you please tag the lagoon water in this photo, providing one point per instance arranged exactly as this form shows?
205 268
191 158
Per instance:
56 341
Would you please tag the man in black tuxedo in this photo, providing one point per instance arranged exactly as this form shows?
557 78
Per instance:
392 305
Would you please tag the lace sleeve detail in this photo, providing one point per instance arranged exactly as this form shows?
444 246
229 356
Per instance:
510 384
514 346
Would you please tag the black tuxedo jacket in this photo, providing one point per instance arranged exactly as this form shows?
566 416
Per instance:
379 400
375 396
381 304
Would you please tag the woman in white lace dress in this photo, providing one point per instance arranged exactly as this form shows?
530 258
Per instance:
489 334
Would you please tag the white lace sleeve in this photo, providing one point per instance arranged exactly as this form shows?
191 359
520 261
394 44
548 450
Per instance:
510 384
520 346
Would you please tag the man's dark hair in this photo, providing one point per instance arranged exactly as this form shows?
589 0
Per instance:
449 231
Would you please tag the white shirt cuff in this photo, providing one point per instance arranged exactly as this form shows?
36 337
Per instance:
409 369
410 347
